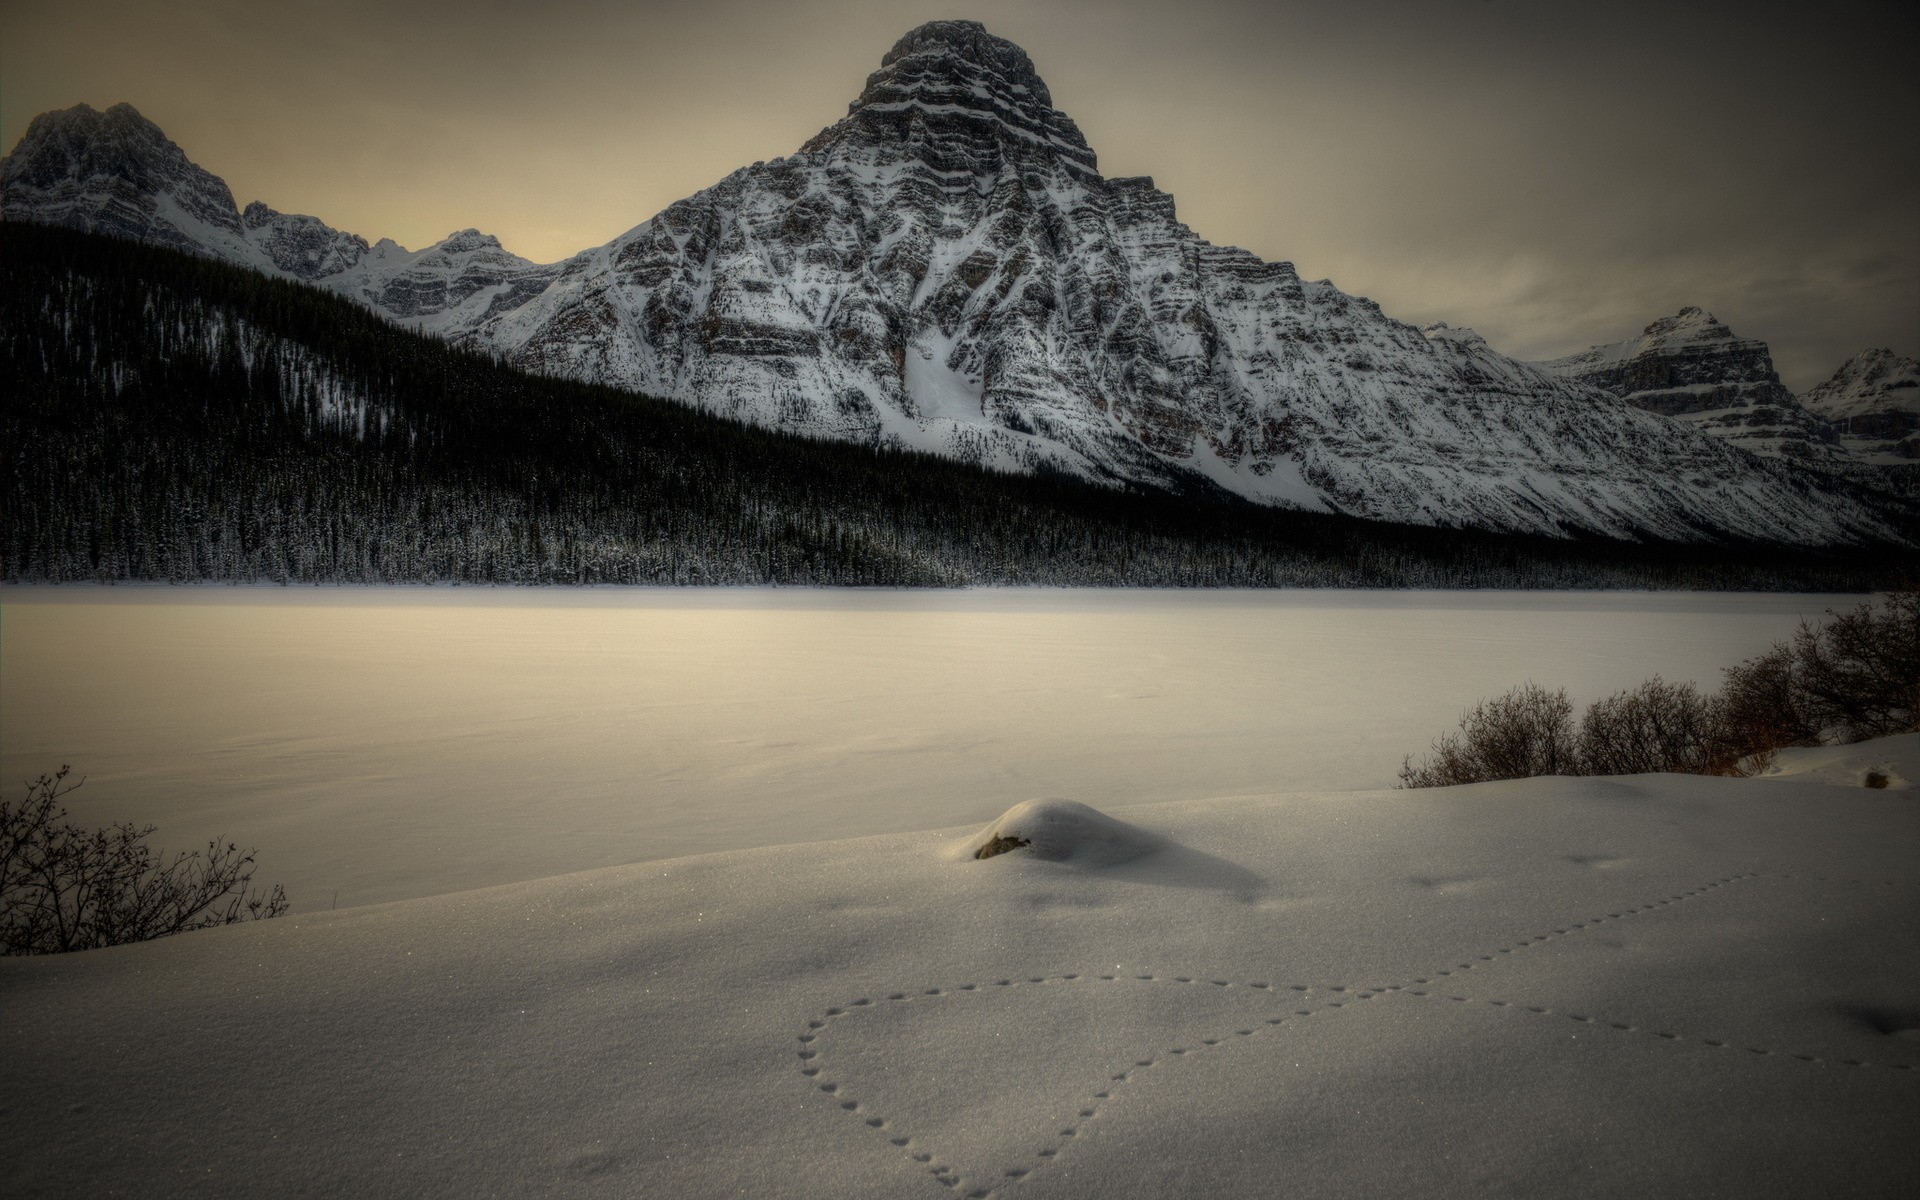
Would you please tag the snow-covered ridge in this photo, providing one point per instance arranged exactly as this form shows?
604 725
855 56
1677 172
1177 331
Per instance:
945 269
115 172
1693 368
1690 331
1874 401
1872 381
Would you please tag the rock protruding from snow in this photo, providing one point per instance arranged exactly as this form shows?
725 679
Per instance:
1883 763
306 248
1062 831
1692 368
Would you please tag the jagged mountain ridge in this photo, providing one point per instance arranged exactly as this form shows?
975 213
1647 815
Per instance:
115 172
1692 368
1874 401
946 269
191 420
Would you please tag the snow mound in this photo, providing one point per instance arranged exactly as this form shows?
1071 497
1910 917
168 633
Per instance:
1062 831
1888 762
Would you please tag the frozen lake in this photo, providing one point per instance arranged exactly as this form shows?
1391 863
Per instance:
380 744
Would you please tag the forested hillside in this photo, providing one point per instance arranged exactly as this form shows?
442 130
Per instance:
171 418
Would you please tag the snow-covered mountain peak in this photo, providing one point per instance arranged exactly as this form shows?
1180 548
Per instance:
304 247
1874 400
1460 338
945 269
1693 341
1871 381
954 96
962 48
1691 326
85 143
115 172
118 124
1693 368
466 241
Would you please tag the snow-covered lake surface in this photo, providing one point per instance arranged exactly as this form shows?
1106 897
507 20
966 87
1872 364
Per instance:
380 744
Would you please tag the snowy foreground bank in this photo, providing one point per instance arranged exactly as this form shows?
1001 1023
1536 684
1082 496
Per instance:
1649 986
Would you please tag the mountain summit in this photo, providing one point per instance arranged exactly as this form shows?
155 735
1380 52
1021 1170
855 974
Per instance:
954 80
945 268
1874 399
1692 368
116 173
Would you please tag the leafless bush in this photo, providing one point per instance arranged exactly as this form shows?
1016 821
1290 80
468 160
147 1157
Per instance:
1855 677
1761 711
1527 732
67 888
1658 726
1859 674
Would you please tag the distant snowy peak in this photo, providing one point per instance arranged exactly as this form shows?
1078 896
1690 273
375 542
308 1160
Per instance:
1692 368
1461 339
116 173
1690 348
1690 328
1872 381
306 248
1874 401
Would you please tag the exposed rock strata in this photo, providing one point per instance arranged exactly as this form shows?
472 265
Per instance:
946 268
1694 369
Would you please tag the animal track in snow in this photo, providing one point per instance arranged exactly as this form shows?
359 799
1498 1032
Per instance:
1260 1020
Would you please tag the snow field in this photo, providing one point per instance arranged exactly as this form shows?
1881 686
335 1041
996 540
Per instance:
1558 987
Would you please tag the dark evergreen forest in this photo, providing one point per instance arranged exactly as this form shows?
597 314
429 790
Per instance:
171 418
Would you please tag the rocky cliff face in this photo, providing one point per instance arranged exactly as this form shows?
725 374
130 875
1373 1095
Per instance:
1694 369
1873 400
115 173
946 268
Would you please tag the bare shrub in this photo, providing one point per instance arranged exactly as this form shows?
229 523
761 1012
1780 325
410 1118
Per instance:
1859 674
66 888
1527 732
1658 726
1853 678
1760 709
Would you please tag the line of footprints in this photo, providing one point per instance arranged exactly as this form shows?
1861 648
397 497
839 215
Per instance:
811 1064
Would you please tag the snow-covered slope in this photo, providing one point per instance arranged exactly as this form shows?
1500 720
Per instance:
1647 986
946 268
1693 368
1874 401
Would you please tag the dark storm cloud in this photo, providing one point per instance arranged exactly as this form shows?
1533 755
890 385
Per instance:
1552 175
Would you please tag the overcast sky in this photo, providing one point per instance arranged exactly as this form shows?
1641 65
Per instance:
1551 174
